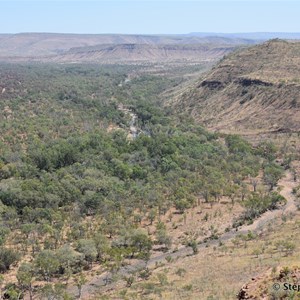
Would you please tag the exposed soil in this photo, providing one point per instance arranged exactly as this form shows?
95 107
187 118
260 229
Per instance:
271 285
104 283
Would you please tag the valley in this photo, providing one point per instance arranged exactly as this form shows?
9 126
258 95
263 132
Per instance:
148 167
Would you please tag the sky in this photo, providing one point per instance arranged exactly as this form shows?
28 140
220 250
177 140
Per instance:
149 17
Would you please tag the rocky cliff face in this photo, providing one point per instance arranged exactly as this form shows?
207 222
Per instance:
251 90
143 53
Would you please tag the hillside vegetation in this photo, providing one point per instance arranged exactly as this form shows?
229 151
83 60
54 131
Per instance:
246 267
251 91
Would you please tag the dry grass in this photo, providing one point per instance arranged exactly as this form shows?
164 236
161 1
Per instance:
202 219
219 272
254 90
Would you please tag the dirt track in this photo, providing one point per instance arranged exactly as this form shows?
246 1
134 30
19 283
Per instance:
287 183
99 283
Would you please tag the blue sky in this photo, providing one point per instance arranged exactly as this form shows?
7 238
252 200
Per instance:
149 17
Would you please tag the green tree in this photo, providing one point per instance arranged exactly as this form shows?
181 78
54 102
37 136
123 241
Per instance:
3 234
181 205
267 150
102 245
88 248
152 215
69 259
139 242
25 278
163 238
7 258
272 173
47 264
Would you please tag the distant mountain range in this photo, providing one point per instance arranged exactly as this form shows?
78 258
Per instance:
118 48
52 47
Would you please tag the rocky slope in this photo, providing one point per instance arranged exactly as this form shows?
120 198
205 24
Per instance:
252 90
282 284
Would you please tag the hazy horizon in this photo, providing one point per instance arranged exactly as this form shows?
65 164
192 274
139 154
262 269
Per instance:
213 33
